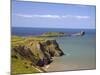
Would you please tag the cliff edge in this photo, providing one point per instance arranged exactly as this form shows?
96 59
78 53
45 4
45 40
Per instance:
38 51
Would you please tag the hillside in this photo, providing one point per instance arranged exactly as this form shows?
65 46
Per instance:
30 54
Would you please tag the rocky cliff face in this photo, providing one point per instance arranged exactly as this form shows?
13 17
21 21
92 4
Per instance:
40 52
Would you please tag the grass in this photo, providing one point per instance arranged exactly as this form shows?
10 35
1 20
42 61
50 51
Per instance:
19 64
53 34
22 66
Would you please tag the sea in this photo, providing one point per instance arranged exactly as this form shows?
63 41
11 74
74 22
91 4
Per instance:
80 51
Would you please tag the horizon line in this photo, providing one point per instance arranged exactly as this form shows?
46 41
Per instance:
52 27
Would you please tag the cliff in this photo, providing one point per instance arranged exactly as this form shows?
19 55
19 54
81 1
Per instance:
38 51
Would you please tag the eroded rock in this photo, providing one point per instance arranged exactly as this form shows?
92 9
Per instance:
39 52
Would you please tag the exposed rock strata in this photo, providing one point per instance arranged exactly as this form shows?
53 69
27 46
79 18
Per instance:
40 52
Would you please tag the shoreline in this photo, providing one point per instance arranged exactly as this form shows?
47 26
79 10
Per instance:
53 67
69 66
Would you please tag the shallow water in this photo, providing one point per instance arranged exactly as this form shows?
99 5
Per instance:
79 54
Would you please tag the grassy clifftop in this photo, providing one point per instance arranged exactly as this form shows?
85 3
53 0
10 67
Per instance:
31 53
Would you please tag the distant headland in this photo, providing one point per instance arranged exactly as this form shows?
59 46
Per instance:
61 34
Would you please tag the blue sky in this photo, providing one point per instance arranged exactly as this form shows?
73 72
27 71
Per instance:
47 15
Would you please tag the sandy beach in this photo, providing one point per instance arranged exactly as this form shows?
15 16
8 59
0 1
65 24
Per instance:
70 66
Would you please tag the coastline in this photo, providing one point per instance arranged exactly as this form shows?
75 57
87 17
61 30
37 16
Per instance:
69 45
70 66
34 53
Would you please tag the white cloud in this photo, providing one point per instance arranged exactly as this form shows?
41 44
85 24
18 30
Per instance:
76 17
53 16
47 16
82 17
38 16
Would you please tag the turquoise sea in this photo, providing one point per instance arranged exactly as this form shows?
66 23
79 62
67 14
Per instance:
80 54
80 51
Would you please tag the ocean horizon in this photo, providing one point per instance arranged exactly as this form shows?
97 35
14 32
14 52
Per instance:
33 31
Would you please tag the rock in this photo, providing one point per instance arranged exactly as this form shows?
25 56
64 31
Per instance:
40 52
52 47
79 34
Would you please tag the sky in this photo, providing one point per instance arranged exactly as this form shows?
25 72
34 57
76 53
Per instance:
51 15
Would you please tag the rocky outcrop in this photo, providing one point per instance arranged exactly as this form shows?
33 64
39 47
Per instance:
40 52
78 34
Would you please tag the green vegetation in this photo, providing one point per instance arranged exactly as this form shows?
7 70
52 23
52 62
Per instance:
53 34
30 54
22 66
